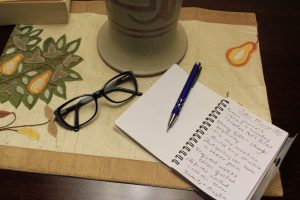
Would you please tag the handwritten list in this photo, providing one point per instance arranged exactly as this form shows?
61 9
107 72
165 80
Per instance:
232 154
224 150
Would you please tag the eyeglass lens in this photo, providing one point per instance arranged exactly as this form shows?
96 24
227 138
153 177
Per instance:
79 111
120 88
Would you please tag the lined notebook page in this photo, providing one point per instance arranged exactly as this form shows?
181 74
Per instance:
147 119
232 156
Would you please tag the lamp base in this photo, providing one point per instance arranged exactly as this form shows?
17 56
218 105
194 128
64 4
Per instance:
145 56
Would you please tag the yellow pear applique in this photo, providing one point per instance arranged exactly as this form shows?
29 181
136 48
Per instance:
10 66
238 56
40 82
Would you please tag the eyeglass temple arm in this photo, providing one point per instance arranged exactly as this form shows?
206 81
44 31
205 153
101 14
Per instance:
125 90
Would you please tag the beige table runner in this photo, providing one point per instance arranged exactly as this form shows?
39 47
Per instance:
99 151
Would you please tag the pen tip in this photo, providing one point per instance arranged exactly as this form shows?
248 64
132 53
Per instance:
169 126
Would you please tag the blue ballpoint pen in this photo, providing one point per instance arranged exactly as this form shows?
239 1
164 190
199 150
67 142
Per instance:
184 93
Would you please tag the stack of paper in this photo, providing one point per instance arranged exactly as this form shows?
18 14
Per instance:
34 11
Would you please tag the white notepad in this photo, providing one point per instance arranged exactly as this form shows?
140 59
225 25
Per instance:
221 148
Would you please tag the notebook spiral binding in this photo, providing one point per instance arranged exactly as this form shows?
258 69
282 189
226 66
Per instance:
200 131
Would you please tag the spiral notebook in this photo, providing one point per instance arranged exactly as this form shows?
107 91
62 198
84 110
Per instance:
217 145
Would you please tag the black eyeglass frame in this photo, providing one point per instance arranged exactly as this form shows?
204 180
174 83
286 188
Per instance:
95 96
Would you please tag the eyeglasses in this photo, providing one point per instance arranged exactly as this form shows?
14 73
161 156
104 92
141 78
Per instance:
80 110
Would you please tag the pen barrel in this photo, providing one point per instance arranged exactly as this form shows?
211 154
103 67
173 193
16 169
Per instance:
184 93
191 80
178 106
186 89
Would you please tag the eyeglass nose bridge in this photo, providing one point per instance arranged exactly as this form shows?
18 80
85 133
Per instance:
98 94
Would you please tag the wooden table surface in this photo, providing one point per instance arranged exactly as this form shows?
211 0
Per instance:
279 36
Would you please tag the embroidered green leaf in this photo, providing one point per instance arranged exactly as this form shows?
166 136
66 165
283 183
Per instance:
33 42
47 93
32 73
36 33
10 50
29 100
46 44
52 52
72 60
20 26
20 41
15 99
60 90
4 97
34 56
73 46
25 29
73 76
20 68
46 96
61 42
20 90
25 80
10 87
59 73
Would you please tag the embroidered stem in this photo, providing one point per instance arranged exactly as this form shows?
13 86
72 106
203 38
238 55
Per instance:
9 129
31 125
27 125
15 117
